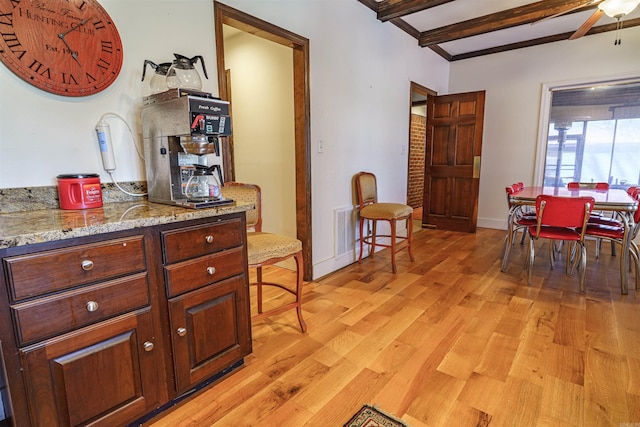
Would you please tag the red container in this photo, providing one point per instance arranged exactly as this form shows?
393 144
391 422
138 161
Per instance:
80 191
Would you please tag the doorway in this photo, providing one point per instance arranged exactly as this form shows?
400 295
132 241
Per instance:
225 15
417 144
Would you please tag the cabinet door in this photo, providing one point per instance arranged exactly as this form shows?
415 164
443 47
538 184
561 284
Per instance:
104 375
211 330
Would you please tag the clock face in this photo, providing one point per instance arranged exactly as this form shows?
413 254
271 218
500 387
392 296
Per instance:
66 47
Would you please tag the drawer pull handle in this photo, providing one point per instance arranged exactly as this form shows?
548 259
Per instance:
182 331
209 239
211 270
87 265
148 346
92 306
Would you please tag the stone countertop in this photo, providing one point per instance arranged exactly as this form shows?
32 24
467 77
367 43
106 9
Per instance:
46 225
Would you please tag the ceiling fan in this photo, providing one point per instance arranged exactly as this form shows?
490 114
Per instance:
613 8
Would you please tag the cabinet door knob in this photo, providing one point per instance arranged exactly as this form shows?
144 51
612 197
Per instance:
182 331
211 270
92 306
148 346
87 265
209 239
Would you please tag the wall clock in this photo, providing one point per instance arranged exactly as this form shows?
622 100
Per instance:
66 47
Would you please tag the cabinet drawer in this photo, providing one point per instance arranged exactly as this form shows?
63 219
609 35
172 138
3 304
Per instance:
199 272
200 240
55 270
60 313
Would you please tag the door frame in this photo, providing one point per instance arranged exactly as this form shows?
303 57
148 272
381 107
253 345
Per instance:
226 15
416 88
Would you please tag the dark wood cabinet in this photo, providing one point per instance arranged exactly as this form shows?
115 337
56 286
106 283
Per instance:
105 329
206 281
208 333
103 375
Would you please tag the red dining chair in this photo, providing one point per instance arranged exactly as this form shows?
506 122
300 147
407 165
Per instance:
597 217
521 220
615 234
561 218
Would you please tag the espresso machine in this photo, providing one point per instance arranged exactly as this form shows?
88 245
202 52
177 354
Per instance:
180 129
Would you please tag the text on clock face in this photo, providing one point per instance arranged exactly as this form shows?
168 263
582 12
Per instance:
63 25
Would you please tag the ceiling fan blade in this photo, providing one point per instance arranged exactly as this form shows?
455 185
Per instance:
555 15
584 28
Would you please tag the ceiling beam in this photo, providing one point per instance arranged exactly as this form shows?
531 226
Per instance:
498 21
543 40
390 9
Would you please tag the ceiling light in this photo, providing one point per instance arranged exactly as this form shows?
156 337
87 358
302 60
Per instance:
618 8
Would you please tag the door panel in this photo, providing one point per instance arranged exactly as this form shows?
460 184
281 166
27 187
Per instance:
454 146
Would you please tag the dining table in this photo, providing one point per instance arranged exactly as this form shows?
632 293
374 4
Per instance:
615 201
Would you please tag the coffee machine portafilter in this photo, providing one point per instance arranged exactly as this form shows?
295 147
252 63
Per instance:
180 129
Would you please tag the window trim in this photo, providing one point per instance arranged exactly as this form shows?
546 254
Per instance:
547 89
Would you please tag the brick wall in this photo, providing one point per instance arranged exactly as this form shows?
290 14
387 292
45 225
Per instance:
417 140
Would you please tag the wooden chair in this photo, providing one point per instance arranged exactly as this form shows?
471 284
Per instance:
373 211
561 218
267 249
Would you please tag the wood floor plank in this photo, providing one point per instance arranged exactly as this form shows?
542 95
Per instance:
562 402
610 373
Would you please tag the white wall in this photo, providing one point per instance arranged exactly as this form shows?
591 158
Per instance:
360 81
263 122
360 77
513 82
52 134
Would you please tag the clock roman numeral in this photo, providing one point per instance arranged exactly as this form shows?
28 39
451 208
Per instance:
39 68
69 79
103 65
98 25
13 44
107 46
90 78
6 19
82 5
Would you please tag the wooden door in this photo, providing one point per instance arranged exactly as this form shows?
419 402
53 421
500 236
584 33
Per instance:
452 161
104 375
210 330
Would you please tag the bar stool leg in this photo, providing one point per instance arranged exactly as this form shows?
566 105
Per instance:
410 235
393 245
299 282
259 286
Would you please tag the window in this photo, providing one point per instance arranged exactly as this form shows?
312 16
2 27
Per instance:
593 135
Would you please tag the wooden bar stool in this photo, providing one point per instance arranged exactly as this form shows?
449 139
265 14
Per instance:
371 210
268 249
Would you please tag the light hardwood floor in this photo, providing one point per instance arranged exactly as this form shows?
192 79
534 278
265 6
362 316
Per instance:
448 341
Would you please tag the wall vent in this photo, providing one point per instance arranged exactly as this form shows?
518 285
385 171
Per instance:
345 231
